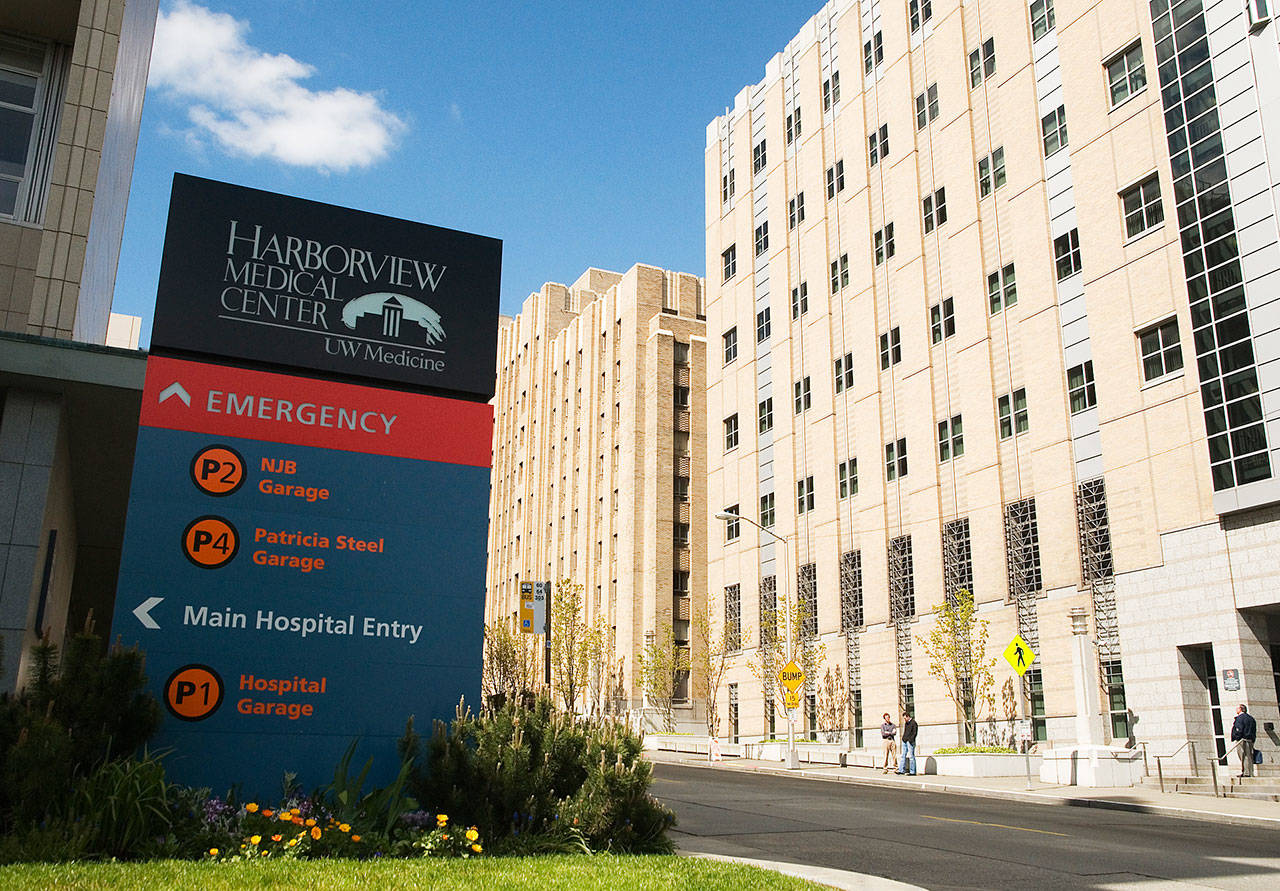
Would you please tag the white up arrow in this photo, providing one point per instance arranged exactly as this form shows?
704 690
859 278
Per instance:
143 609
175 389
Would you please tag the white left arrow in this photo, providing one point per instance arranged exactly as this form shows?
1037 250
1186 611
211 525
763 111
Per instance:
175 389
143 612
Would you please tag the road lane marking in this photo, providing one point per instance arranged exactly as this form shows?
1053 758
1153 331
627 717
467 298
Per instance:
996 825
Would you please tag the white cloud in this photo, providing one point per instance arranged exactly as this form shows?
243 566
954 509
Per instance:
455 112
251 103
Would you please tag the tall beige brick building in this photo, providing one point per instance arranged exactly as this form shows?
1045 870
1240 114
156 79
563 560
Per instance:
991 295
599 456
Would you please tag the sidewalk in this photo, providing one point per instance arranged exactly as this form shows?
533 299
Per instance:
1139 799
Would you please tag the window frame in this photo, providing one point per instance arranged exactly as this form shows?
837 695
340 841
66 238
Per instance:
764 415
890 348
1127 75
1043 20
942 320
803 391
1053 130
1163 350
950 438
731 432
1005 292
764 325
847 478
844 372
1081 394
729 261
730 342
762 238
1139 188
1066 254
895 459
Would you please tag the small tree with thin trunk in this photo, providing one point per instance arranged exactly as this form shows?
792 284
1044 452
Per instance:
510 661
570 643
770 656
957 651
661 664
712 647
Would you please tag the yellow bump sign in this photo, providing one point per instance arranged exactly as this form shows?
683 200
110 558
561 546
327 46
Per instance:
791 676
1019 654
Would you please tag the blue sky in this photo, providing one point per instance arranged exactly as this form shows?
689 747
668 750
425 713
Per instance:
573 131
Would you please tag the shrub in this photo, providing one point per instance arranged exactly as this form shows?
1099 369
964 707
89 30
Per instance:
532 778
973 750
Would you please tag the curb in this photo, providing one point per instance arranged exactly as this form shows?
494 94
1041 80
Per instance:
1160 810
834 878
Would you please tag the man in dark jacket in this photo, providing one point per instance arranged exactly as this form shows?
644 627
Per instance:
909 731
1245 729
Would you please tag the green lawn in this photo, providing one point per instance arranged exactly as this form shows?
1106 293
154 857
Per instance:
572 873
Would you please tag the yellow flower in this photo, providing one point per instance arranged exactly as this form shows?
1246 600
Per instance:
265 853
295 811
472 835
310 821
476 848
285 817
276 838
251 807
355 838
213 852
292 842
345 827
255 839
315 832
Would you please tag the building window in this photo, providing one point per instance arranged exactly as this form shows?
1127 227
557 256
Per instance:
902 585
1066 253
30 76
730 338
802 393
733 625
726 187
1142 208
950 438
831 91
766 510
927 107
795 211
1035 693
1080 392
807 601
1012 409
890 348
766 415
1054 127
878 144
729 259
680 488
680 353
921 11
793 125
1125 74
1161 350
799 300
942 320
733 527
835 179
982 62
758 158
851 611
957 558
682 397
1117 707
731 432
873 52
1002 289
935 210
895 460
991 174
804 495
681 535
1041 18
762 238
763 326
1022 547
768 609
839 273
844 372
847 476
884 243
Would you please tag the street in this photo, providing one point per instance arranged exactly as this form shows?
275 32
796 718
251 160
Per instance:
940 840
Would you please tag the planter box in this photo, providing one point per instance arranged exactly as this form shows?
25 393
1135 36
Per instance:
978 765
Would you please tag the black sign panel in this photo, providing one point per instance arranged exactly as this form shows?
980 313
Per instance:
268 278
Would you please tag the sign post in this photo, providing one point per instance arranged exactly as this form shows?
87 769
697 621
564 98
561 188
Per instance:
1020 656
304 554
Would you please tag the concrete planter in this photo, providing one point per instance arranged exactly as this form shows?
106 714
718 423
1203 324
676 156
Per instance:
978 765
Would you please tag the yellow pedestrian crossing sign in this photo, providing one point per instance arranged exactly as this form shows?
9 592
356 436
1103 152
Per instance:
1019 654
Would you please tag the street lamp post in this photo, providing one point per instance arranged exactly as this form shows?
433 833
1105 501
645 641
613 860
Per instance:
793 761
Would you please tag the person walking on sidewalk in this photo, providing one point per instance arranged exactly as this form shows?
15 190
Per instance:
1245 729
889 733
909 731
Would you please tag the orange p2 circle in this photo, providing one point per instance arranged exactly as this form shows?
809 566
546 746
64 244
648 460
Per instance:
217 470
193 692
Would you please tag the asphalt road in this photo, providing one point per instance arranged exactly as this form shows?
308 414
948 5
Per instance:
938 840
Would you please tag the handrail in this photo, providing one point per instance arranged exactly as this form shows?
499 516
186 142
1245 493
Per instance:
1160 764
1213 764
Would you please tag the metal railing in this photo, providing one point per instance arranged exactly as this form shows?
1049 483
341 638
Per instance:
1224 759
1191 743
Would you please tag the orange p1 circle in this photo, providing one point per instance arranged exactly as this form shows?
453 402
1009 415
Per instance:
210 542
217 470
193 692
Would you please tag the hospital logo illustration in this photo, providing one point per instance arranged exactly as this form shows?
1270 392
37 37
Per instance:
391 311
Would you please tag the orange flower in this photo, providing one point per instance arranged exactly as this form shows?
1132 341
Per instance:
310 821
355 838
267 812
315 832
251 807
476 848
295 811
276 838
345 827
297 821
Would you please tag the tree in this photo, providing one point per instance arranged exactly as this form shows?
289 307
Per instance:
771 655
710 659
661 665
833 705
570 642
510 661
601 667
957 651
